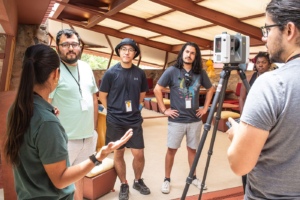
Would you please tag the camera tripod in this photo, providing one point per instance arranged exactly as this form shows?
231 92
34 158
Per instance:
218 99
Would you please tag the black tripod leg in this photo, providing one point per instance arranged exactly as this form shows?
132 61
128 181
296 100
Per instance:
220 89
244 80
214 133
247 86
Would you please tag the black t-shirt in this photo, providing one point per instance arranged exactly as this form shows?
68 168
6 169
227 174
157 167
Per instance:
175 79
123 85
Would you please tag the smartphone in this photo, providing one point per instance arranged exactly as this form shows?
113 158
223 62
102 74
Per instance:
228 124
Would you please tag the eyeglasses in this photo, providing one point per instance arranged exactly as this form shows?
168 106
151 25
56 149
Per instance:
67 45
265 29
130 50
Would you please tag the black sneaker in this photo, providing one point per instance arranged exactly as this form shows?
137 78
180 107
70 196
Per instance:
124 192
140 186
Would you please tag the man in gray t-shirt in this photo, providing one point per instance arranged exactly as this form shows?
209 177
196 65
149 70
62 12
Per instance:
266 142
184 80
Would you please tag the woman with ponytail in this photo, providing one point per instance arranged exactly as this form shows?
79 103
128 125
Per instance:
36 144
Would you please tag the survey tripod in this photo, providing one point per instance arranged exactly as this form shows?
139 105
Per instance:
218 99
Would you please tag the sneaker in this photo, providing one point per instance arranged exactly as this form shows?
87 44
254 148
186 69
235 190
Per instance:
165 188
140 186
197 183
124 192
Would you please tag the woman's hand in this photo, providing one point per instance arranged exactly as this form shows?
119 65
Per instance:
105 150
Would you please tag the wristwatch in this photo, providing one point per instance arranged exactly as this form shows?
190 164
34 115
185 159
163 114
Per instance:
94 159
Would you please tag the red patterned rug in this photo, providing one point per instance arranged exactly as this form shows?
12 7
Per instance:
236 193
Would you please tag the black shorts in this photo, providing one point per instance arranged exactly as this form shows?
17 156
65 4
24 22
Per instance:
115 132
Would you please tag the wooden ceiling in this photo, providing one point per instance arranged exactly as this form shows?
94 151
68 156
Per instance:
160 27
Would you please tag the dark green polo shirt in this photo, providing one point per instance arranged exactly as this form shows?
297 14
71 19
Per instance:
45 142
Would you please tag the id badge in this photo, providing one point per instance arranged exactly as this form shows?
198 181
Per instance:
188 103
83 104
128 106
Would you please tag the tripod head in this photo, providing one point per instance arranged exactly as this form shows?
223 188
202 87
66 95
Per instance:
236 66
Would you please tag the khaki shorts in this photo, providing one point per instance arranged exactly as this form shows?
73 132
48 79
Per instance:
80 149
176 132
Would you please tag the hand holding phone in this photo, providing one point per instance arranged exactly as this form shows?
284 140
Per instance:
228 124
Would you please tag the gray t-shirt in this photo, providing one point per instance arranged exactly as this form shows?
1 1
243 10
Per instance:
273 105
175 79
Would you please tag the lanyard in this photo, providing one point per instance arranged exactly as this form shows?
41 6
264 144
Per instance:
293 57
127 83
78 82
188 81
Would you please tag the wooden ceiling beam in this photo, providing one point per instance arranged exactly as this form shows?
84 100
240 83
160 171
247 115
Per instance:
60 8
114 8
81 8
118 34
119 5
218 18
177 48
97 9
144 24
8 17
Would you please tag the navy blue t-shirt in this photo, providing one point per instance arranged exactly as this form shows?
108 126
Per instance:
123 85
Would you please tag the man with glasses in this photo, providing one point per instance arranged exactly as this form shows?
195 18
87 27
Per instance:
265 144
123 88
184 80
75 97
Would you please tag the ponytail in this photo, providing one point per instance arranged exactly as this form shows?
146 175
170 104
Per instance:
39 61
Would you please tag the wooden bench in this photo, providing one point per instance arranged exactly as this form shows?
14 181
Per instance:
224 118
147 103
100 180
155 106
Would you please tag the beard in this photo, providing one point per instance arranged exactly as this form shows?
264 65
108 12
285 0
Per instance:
276 57
275 54
68 60
187 63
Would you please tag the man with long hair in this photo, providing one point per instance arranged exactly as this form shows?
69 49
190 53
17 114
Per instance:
184 80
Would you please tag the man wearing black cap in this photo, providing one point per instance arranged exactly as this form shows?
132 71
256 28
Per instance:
123 88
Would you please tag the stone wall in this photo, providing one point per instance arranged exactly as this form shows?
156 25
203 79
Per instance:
27 35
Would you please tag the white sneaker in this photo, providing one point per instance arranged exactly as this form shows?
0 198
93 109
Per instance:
197 183
165 188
